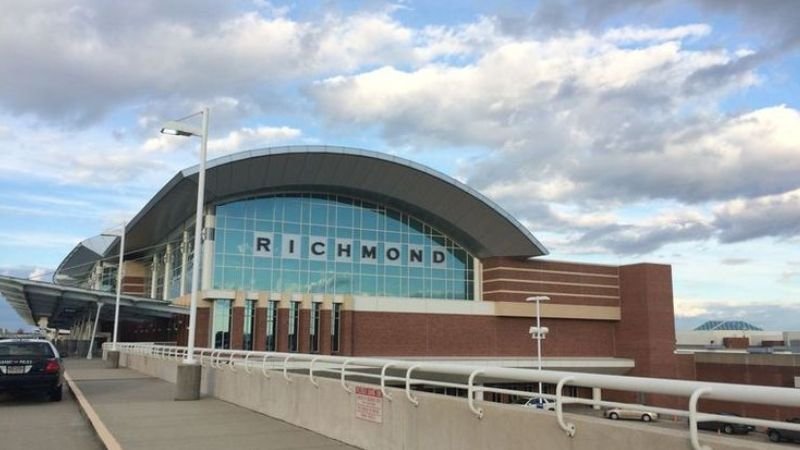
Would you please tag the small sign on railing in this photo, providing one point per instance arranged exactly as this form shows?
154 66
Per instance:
369 404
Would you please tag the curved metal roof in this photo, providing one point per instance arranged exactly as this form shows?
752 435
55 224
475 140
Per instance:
471 219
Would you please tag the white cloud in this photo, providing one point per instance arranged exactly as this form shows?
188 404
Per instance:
580 119
775 215
544 97
690 308
78 65
38 274
576 122
690 313
25 239
650 234
630 34
246 138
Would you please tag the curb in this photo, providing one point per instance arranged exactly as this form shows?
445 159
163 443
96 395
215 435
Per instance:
100 429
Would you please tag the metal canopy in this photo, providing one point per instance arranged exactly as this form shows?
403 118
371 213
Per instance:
457 210
76 266
62 305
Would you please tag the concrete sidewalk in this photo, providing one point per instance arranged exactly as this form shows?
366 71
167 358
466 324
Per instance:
140 413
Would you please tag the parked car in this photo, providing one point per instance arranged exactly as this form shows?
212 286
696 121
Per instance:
31 365
725 427
629 413
778 434
540 403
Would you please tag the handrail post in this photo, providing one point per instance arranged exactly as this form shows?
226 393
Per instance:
247 363
230 361
285 369
470 393
215 357
696 445
202 357
311 371
569 428
410 397
386 395
342 376
264 366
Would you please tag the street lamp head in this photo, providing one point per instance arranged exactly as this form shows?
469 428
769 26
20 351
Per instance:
172 132
538 298
175 128
538 332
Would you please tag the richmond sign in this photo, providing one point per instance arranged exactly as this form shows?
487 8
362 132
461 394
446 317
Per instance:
321 248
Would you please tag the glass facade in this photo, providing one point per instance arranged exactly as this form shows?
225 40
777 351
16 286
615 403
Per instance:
175 282
108 282
322 243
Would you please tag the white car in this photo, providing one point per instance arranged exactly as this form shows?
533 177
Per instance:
627 413
540 403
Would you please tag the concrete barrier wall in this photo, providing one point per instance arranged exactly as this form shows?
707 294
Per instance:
439 422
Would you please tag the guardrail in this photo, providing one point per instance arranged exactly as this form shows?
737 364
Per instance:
292 366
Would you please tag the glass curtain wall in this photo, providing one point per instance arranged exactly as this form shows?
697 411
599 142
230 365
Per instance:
108 282
161 263
322 243
175 283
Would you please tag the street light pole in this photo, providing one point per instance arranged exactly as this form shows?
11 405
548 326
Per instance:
539 332
189 372
198 228
181 129
120 270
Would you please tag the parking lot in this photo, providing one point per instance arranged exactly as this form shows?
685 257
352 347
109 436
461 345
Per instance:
32 422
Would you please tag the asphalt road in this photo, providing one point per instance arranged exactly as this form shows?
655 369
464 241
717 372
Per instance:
32 422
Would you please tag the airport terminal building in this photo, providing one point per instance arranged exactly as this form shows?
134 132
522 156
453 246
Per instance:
333 250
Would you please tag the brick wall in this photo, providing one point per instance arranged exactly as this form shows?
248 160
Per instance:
412 334
646 331
512 280
736 342
743 368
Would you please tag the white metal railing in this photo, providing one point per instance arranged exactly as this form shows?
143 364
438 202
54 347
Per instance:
311 365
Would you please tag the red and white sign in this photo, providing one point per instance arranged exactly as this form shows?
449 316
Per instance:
369 404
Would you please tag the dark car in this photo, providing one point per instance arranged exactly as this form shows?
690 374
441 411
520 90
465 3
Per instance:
778 434
31 365
725 427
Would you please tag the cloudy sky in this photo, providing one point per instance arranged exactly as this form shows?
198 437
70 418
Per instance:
618 131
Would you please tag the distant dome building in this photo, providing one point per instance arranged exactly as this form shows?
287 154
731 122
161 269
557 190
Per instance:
727 325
